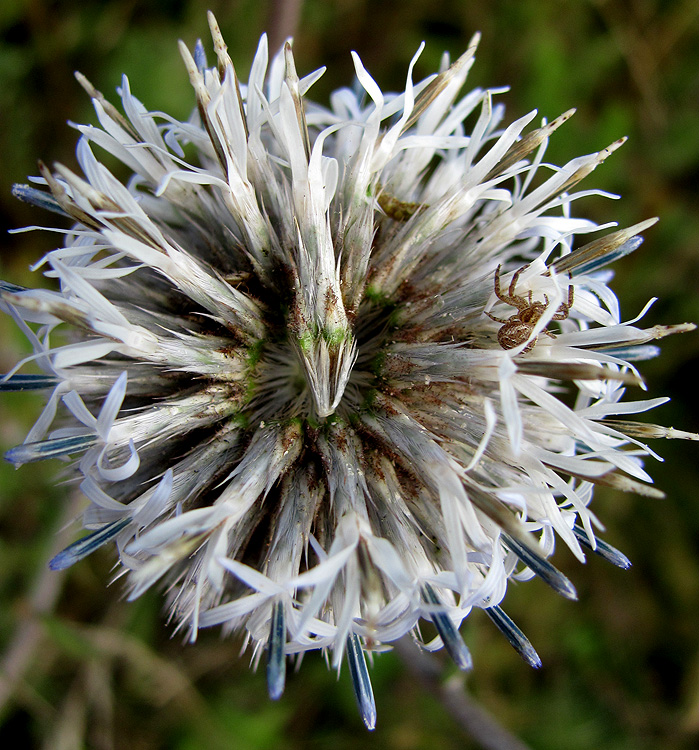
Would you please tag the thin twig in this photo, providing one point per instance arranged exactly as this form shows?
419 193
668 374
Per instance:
283 20
641 58
24 645
474 720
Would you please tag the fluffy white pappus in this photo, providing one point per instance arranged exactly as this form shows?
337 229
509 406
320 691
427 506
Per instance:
353 368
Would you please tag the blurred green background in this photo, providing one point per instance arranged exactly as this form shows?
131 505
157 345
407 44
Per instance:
621 666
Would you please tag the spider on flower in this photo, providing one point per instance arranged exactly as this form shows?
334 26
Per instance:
518 328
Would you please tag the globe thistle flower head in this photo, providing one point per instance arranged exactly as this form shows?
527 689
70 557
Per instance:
326 373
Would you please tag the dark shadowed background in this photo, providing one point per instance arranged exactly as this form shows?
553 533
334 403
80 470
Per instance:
82 668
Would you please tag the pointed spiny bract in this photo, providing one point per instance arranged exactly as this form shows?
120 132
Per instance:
284 390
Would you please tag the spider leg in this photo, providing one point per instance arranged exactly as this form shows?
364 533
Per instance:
562 312
498 286
497 320
515 279
548 333
510 298
564 308
530 345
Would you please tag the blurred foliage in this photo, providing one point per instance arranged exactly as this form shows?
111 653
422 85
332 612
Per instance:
621 666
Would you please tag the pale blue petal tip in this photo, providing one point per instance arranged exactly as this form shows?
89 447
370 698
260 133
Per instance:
453 642
515 636
542 568
361 681
52 448
87 545
200 56
28 382
39 198
626 248
276 657
604 550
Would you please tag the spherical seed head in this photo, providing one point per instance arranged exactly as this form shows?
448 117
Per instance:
287 392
